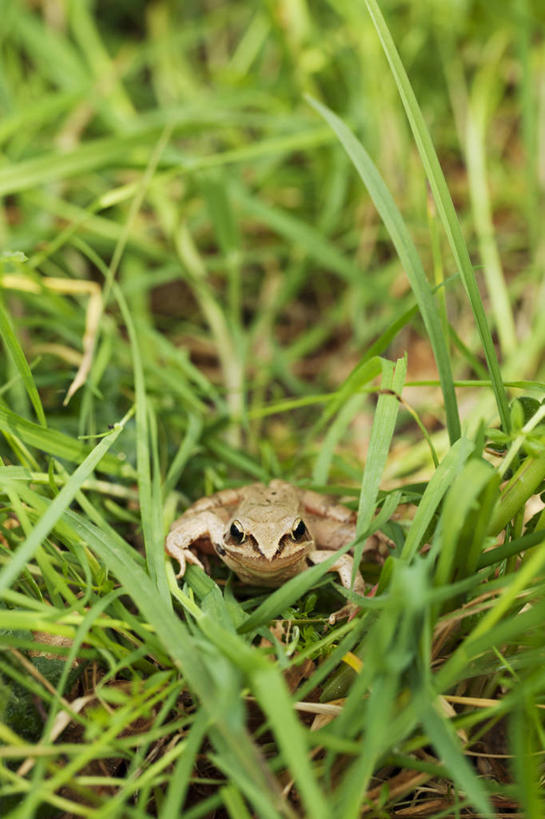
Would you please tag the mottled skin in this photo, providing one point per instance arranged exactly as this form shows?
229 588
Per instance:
266 534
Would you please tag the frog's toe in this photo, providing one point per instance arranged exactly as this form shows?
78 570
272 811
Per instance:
179 555
193 559
349 611
180 558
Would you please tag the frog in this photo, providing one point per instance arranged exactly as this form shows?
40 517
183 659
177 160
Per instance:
267 534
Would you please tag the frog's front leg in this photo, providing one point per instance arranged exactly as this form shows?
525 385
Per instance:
344 566
201 529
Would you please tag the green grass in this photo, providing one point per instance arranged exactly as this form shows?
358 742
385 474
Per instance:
285 240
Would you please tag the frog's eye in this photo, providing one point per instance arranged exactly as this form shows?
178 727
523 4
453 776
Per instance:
237 532
299 529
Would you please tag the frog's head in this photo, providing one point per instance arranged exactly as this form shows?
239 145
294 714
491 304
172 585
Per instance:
267 534
284 540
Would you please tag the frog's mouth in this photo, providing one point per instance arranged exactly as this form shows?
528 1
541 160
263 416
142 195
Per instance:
270 563
261 562
257 570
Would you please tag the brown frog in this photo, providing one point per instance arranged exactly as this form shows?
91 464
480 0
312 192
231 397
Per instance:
266 534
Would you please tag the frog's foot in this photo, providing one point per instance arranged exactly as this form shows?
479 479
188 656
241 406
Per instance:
349 611
183 555
344 566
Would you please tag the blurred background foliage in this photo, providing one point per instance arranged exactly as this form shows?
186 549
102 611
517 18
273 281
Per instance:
257 249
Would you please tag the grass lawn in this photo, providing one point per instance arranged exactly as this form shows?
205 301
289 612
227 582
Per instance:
297 240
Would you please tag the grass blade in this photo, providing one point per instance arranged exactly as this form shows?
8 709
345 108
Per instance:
434 493
379 445
177 789
12 345
476 149
525 757
444 204
408 256
149 489
320 473
461 500
59 505
356 781
444 740
274 699
57 443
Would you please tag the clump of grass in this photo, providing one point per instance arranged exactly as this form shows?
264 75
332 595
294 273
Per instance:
197 293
